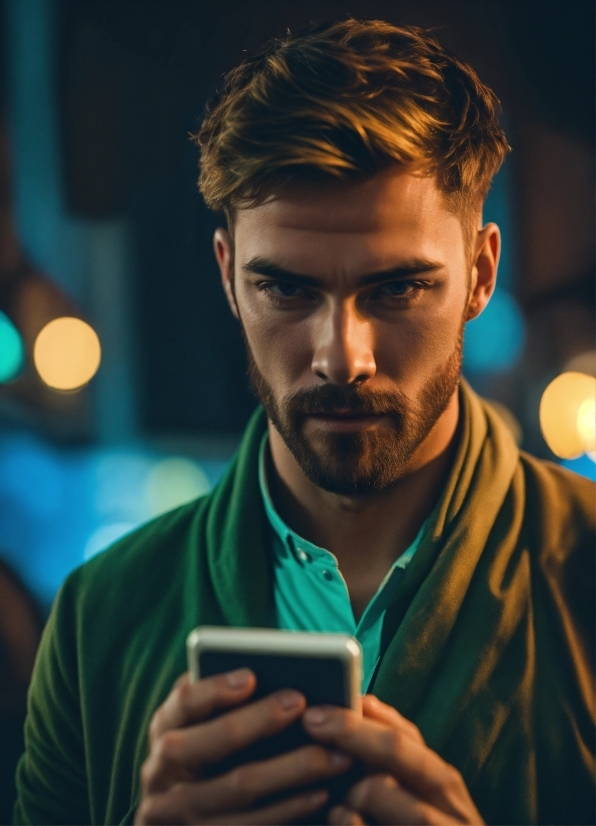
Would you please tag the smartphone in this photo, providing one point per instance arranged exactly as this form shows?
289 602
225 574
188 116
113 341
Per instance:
326 668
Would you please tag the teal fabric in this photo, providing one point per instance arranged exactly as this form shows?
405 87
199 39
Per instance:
488 646
309 592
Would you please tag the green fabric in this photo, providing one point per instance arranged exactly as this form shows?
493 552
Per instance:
309 591
488 644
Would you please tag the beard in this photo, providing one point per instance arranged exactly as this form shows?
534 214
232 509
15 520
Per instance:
361 462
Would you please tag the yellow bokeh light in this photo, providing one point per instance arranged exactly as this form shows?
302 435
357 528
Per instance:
67 353
567 414
586 424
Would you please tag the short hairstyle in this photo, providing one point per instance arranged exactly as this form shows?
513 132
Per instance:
344 101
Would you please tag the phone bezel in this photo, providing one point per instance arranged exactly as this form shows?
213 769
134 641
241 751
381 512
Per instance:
278 641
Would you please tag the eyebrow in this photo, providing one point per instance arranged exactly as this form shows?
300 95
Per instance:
413 266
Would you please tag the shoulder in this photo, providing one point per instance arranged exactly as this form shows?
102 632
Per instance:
156 545
115 635
130 574
562 503
560 524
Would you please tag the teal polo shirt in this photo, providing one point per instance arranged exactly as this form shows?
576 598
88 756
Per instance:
310 593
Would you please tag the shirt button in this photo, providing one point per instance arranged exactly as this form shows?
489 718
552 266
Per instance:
304 556
328 575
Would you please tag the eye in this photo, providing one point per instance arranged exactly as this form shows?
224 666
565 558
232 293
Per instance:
283 289
399 293
284 292
398 288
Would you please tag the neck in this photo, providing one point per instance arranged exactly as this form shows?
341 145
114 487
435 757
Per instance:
366 533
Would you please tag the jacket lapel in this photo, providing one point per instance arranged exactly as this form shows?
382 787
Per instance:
236 535
477 521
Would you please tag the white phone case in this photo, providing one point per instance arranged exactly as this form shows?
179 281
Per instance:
342 647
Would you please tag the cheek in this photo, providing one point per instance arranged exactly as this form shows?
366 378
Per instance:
419 342
281 349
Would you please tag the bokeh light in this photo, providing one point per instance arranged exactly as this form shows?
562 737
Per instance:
67 353
105 536
173 482
494 341
12 351
582 363
119 483
60 505
567 411
586 424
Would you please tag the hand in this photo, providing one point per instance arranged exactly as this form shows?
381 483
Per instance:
183 739
407 782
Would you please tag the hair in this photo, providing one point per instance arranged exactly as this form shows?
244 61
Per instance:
343 101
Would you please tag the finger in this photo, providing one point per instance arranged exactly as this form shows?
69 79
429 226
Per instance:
175 806
246 785
391 750
373 707
190 702
180 751
381 798
293 810
342 816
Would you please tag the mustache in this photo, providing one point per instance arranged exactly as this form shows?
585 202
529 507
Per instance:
329 398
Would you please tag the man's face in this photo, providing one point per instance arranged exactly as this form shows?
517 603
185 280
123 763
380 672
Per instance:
352 299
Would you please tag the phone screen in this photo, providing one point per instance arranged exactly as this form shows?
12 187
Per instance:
322 680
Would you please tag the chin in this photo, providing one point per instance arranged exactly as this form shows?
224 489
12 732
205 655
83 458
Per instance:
355 464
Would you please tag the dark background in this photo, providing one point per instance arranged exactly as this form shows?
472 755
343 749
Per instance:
134 78
100 218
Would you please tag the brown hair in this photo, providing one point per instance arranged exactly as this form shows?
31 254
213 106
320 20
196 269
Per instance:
345 100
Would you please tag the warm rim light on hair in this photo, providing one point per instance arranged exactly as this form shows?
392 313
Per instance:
344 101
67 353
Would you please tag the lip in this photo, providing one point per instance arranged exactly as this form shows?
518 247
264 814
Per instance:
341 422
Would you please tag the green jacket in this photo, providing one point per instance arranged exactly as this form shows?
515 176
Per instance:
487 647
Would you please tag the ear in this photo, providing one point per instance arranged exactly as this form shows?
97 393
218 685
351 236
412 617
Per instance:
484 269
222 246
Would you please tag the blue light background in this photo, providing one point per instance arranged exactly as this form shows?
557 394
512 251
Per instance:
58 505
12 351
584 465
55 504
493 342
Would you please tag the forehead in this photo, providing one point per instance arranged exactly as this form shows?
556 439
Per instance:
351 226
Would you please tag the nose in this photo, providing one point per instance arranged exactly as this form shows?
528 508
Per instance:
343 347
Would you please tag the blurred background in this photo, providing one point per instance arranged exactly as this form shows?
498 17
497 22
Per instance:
122 374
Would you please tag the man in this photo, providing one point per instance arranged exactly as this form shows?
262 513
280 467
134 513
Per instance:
373 493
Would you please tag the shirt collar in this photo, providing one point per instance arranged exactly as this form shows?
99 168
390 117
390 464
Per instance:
293 543
296 545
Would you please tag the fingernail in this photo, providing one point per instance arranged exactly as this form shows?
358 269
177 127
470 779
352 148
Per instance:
316 716
239 678
342 761
289 699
